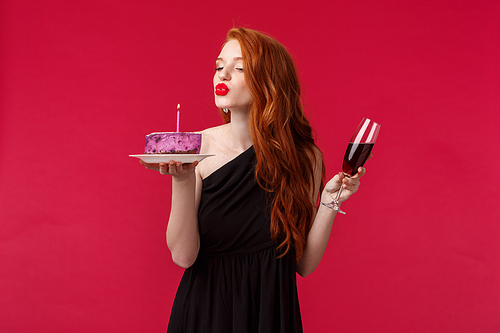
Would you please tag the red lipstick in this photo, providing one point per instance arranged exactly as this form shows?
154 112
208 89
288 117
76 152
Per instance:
221 89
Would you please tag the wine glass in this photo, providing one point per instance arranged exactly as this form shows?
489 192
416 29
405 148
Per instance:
358 151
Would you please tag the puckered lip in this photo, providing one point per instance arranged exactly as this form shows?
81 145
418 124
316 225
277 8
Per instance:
221 89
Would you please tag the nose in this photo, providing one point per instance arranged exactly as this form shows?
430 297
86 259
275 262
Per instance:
224 75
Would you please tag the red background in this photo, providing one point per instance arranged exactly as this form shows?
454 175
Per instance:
82 243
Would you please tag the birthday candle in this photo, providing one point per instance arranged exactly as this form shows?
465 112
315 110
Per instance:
178 116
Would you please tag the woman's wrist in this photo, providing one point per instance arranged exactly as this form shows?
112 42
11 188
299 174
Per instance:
326 197
330 205
327 200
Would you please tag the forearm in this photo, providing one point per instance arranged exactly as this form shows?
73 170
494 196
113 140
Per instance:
183 238
318 236
316 241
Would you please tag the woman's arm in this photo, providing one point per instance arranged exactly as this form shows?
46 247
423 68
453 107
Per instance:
318 236
183 239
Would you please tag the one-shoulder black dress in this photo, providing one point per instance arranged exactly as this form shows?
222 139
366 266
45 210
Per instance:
237 284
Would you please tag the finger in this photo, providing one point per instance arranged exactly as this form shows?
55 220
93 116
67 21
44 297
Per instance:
341 176
353 183
343 179
162 168
361 172
171 167
149 166
190 166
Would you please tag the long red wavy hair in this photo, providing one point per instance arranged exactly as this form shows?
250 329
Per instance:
282 137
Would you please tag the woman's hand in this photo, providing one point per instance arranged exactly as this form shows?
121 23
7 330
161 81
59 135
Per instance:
177 169
350 186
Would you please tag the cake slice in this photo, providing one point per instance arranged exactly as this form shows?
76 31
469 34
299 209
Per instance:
173 143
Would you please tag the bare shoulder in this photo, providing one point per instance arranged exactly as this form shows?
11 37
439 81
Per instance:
316 157
212 142
210 138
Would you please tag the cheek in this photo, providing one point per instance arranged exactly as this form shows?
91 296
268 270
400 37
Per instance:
244 85
247 92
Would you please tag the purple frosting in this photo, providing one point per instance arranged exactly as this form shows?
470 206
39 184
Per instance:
173 143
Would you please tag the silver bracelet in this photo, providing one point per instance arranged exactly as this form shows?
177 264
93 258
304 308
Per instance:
329 205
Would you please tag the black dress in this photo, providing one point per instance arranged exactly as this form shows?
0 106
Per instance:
236 284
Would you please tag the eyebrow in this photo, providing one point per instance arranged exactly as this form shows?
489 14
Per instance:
235 58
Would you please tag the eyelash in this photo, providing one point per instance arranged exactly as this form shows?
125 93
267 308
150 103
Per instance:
220 68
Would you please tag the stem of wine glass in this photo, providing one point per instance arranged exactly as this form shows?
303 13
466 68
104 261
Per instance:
336 205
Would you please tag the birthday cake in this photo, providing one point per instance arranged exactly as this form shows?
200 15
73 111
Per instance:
173 143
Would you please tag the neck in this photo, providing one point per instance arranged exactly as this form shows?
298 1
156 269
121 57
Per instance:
239 131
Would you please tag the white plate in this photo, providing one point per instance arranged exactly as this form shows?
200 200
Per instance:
184 158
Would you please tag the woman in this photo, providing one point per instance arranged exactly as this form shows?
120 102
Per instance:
244 221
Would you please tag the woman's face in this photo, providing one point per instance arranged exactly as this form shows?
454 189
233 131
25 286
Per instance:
230 90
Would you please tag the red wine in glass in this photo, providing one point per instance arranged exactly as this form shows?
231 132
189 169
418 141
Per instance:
356 156
358 151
